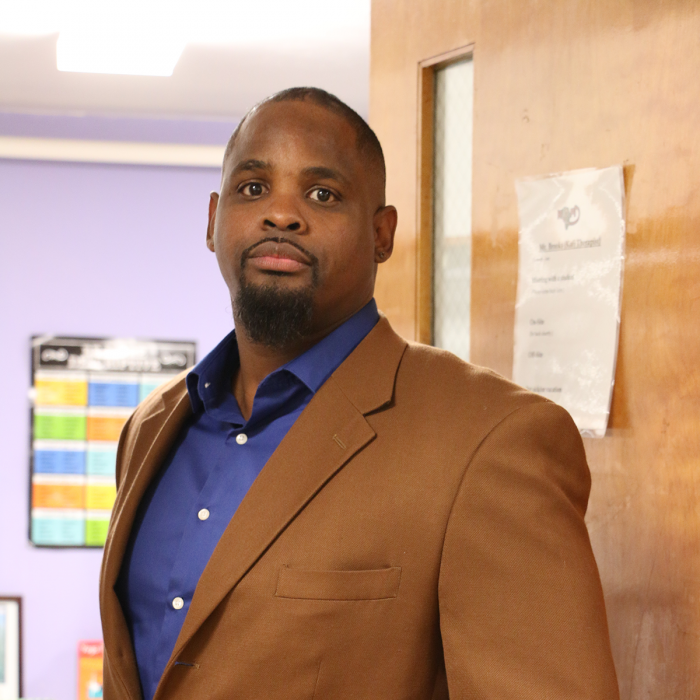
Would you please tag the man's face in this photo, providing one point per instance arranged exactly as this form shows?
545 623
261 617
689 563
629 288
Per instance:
301 212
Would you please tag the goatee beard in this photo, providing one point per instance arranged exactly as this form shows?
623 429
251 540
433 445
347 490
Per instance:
274 317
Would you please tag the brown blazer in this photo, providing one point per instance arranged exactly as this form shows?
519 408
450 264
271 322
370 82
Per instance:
419 529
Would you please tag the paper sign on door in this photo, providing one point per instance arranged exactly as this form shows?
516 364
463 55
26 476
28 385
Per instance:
567 314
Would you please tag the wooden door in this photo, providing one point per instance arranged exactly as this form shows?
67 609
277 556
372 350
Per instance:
560 86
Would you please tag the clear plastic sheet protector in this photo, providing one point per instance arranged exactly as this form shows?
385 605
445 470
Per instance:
567 312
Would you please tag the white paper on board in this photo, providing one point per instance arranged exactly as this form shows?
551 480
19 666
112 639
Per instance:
567 313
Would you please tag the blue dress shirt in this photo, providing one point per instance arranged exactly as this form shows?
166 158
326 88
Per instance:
212 465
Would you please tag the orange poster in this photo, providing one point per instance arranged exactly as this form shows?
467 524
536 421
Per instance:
90 670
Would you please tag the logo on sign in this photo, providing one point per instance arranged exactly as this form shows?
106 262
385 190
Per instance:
54 355
90 648
174 358
569 216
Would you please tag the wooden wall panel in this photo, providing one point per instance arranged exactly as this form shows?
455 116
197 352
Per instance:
560 86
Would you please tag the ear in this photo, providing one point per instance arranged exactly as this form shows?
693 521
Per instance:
385 220
213 203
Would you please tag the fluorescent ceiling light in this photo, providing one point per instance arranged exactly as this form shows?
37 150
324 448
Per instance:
132 53
30 17
127 37
146 37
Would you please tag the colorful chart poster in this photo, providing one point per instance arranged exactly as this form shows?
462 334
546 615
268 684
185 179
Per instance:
567 313
90 664
83 391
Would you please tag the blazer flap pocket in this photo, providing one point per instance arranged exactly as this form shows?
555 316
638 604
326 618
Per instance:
369 584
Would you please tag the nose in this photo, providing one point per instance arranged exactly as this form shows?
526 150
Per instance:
283 215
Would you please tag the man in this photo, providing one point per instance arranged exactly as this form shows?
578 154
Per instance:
322 510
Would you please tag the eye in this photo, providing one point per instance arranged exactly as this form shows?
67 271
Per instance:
322 194
252 189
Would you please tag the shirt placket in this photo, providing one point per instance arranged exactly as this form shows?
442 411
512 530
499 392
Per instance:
216 504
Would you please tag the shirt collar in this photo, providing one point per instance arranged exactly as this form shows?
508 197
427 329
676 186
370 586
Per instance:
209 376
320 361
210 379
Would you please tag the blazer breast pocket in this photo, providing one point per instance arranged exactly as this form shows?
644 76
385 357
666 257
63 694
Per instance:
368 584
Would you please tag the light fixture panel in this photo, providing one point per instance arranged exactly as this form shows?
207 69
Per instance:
118 53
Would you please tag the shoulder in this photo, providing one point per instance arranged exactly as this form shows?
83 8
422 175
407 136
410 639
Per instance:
459 389
154 401
150 406
452 401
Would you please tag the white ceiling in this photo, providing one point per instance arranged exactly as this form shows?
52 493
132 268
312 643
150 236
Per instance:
257 47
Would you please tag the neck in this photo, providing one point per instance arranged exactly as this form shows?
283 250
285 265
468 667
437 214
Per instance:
257 361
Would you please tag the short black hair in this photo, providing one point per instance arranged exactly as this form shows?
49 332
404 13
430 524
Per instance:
367 141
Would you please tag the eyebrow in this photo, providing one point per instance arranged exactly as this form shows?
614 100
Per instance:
325 173
251 165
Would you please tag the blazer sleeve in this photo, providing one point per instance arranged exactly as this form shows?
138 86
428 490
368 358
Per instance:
522 614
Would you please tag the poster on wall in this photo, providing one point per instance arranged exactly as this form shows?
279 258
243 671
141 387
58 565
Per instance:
567 312
83 391
90 669
10 648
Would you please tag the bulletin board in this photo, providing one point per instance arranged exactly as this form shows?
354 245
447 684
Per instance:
83 391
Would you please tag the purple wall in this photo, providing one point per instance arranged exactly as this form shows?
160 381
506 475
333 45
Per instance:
106 128
87 250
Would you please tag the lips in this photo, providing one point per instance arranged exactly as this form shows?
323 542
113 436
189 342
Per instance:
277 256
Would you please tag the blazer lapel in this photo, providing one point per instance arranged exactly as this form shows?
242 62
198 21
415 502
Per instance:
330 431
149 446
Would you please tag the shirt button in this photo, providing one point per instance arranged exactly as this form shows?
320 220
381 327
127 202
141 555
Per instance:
207 385
241 438
178 603
203 514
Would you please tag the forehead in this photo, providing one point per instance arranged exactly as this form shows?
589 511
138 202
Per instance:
297 132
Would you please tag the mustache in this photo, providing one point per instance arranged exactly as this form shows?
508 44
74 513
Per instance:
278 239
